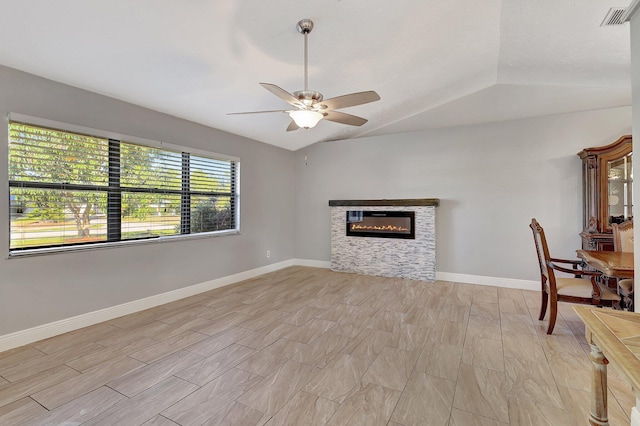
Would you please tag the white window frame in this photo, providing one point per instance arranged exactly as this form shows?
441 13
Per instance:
36 121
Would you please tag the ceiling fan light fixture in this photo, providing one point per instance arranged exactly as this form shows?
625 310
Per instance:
305 119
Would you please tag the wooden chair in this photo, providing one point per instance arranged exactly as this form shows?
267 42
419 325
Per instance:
623 241
581 288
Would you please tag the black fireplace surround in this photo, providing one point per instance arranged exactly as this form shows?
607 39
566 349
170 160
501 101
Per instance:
381 224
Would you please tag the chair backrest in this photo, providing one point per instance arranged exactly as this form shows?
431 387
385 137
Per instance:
623 236
543 252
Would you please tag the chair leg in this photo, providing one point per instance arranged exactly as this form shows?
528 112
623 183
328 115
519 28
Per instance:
543 305
627 302
553 314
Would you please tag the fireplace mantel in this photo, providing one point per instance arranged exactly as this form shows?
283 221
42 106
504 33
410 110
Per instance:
403 202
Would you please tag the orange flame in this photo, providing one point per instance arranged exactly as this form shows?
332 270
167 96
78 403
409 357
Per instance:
384 228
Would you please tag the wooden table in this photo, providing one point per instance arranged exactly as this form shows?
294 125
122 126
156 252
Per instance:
614 337
611 263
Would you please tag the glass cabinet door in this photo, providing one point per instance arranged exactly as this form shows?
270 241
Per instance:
607 179
620 191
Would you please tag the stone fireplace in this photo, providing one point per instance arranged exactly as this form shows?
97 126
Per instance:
391 238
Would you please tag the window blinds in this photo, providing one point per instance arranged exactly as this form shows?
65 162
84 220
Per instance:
68 188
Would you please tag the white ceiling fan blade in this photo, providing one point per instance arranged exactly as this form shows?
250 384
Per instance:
351 99
283 94
292 126
341 117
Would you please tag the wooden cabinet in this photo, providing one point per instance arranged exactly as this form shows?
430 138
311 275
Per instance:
607 180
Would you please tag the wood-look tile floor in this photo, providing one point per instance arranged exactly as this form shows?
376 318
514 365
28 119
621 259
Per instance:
306 346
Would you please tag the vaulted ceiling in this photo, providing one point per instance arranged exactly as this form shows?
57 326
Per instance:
434 63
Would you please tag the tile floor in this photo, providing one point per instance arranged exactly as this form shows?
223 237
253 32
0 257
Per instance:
306 346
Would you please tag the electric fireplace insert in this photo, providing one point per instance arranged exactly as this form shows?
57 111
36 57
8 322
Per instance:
381 224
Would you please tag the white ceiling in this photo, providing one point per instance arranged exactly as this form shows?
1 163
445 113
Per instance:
434 63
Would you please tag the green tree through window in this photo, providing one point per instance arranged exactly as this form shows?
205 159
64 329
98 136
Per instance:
67 188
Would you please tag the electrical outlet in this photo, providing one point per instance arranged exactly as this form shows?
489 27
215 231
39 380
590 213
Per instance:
268 253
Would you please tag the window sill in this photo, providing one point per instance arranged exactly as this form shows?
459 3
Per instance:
111 245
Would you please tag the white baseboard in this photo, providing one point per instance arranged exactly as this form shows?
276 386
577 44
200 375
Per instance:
25 337
494 281
635 414
312 263
449 276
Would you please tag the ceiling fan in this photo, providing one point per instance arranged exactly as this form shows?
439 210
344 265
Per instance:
308 105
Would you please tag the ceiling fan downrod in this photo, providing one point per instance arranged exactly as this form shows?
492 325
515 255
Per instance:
304 27
306 96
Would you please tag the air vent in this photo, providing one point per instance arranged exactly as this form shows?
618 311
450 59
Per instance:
614 17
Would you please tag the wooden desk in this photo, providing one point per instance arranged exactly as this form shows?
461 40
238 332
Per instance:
614 337
610 263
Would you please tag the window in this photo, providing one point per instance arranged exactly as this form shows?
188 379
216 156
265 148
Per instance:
68 189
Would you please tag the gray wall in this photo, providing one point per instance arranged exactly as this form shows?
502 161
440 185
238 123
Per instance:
491 180
43 289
